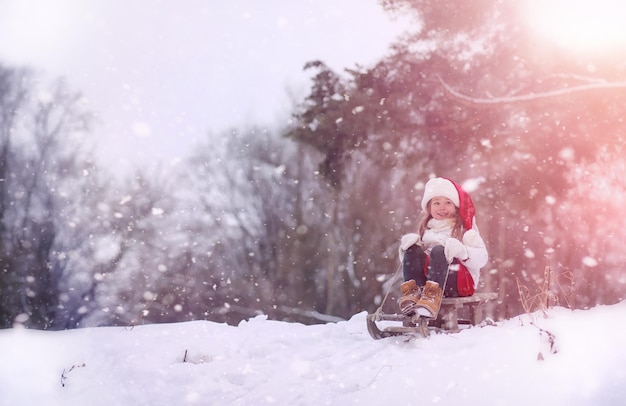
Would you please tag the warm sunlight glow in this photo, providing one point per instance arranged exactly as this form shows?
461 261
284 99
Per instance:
582 25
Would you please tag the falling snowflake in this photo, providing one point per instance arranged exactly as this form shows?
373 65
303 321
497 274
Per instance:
590 262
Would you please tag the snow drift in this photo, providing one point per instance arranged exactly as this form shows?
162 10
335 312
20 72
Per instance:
569 357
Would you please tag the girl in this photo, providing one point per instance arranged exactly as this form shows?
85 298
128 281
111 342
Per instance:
445 256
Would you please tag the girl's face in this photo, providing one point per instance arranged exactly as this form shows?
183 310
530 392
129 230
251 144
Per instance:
442 208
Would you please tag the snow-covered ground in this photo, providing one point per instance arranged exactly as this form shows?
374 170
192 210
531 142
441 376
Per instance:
264 362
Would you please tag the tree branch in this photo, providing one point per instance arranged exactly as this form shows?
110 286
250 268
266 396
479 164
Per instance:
482 102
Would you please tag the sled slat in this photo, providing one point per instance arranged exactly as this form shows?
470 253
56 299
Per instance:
450 307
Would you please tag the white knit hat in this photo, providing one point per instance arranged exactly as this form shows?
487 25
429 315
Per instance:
439 187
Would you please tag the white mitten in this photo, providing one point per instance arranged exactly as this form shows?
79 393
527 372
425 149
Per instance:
432 238
408 240
471 238
455 249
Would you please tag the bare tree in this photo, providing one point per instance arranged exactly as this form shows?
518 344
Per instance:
45 137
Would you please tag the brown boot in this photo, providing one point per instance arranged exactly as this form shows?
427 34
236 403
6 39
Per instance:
430 302
410 297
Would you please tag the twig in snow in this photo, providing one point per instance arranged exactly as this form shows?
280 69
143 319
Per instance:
547 295
551 341
64 373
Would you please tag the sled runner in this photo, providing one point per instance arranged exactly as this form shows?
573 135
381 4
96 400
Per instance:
411 325
448 319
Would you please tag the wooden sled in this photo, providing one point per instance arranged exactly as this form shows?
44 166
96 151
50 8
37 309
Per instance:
447 320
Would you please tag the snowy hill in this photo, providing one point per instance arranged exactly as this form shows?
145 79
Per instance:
263 362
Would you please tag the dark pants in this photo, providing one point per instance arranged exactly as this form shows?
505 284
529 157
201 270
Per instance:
414 263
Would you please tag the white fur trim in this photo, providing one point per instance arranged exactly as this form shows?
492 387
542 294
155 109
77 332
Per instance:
440 187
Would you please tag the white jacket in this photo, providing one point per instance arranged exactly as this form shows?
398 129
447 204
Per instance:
438 232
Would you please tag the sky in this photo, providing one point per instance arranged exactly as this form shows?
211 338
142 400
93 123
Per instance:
266 362
162 75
